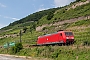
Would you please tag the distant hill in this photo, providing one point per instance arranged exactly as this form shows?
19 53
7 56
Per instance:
74 17
48 21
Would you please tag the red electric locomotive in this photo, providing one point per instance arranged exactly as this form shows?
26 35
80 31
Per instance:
60 37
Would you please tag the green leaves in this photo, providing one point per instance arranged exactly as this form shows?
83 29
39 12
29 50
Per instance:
80 0
50 16
15 49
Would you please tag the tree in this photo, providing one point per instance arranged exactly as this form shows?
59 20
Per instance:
78 0
50 16
16 48
25 29
32 27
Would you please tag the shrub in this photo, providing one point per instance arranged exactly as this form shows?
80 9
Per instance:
16 48
25 29
78 0
50 16
86 43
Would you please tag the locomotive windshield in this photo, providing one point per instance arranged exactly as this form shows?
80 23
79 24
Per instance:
68 33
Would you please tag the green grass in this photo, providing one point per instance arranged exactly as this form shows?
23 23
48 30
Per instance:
64 14
27 38
76 52
81 30
83 22
56 52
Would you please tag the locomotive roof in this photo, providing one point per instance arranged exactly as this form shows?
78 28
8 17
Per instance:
48 34
54 33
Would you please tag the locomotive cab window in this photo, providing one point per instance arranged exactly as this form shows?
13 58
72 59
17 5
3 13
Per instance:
68 33
60 34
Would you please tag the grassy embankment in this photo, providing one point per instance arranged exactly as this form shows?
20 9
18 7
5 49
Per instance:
81 31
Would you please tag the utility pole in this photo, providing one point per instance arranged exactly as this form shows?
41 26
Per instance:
7 47
20 36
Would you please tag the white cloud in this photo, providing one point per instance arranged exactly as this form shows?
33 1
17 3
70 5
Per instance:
2 25
14 18
8 18
41 8
11 18
60 3
2 5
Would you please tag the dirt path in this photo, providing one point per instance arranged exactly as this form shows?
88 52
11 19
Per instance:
10 57
14 57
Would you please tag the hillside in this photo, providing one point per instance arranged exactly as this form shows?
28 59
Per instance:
74 17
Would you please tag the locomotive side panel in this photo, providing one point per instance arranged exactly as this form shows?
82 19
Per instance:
59 37
52 38
41 40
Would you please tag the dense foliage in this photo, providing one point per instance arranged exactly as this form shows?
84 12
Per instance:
50 15
80 0
81 30
34 17
15 49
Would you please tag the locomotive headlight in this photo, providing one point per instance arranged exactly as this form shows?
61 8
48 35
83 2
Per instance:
67 37
72 37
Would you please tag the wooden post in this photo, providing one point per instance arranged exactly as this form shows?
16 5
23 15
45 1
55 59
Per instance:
7 47
20 36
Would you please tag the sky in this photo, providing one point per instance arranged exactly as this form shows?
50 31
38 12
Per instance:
13 10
